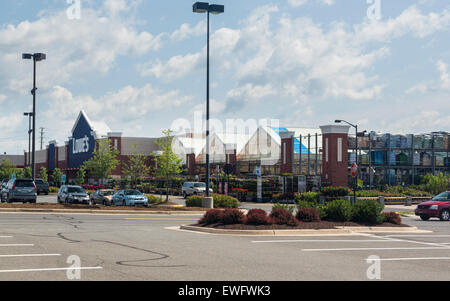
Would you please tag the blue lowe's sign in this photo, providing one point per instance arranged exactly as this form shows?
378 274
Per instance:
82 142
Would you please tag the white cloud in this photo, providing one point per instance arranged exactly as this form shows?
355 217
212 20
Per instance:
74 48
2 98
445 77
185 31
297 3
443 84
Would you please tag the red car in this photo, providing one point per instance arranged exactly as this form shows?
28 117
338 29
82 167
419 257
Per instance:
439 206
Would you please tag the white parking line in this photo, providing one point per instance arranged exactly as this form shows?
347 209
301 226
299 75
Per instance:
415 235
367 249
50 269
16 245
5 236
407 259
331 240
28 255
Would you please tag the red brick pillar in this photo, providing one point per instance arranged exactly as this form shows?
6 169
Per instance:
287 152
190 161
335 155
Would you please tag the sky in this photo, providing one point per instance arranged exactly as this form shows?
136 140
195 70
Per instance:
139 65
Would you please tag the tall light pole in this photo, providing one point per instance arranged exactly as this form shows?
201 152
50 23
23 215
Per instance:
37 57
30 114
204 7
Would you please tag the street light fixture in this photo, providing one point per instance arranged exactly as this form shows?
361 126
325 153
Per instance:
37 57
29 134
215 9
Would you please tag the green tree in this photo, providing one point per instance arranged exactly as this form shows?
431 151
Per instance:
435 184
136 167
81 175
20 173
56 176
104 160
168 164
43 174
7 169
27 172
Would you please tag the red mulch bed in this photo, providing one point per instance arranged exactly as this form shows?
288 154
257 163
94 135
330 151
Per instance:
160 207
302 225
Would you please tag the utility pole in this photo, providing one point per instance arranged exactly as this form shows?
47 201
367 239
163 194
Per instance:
42 138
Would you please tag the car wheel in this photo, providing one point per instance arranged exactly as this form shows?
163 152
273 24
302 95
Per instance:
124 203
424 217
445 215
184 195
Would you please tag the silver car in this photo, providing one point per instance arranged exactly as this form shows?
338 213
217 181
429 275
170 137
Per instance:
19 190
194 188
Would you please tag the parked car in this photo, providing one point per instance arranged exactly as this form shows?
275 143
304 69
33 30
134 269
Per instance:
129 198
72 194
439 207
42 186
194 188
3 185
102 196
19 190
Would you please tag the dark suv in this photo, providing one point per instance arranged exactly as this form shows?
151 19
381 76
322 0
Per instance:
19 190
42 186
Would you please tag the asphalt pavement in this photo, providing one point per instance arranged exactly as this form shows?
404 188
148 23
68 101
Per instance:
47 246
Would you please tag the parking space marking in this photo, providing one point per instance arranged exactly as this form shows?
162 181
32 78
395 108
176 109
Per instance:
411 259
160 219
323 240
51 269
379 249
16 245
28 255
415 235
5 236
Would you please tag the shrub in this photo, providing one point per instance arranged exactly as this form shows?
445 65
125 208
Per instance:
308 215
257 217
154 199
368 211
194 201
285 196
231 216
283 206
338 211
224 201
392 217
312 197
333 191
283 217
53 189
212 216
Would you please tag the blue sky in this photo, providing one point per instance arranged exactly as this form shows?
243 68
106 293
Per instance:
139 65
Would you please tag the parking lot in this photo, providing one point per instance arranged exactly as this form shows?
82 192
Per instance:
38 246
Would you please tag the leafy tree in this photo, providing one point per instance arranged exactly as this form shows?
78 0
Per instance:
136 167
43 174
81 175
20 173
7 169
435 184
27 172
168 164
56 176
104 160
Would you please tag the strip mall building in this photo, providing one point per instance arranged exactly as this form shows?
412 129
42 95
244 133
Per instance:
324 153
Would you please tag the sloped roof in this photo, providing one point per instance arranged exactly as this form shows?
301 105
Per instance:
275 132
99 128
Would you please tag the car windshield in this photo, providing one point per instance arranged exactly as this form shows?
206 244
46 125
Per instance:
131 192
38 181
107 192
202 185
24 183
441 197
75 190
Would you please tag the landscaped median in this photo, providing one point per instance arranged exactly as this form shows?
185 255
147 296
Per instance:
336 217
79 208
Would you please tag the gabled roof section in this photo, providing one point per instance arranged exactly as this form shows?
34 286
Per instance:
99 128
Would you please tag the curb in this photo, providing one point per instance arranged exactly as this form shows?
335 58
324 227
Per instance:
339 231
93 211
